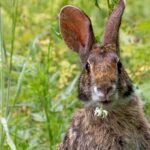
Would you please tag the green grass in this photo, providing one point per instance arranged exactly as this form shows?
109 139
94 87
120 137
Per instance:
39 74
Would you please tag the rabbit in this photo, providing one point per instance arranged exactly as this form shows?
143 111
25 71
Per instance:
103 83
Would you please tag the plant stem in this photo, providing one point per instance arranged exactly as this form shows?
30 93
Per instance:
14 20
2 81
46 106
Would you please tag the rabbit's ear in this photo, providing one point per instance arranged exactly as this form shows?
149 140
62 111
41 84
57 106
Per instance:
111 35
76 30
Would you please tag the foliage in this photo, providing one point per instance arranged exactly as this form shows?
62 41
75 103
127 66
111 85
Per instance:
38 84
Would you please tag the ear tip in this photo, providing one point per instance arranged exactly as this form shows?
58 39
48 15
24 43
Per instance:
124 2
67 8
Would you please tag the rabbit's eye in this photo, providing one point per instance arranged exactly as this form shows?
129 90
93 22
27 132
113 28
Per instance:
87 67
119 64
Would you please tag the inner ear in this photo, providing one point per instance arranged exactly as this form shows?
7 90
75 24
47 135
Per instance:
76 30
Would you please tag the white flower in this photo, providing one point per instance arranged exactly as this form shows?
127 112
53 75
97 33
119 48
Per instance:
100 112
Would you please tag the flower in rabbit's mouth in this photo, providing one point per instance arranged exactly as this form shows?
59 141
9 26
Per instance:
100 112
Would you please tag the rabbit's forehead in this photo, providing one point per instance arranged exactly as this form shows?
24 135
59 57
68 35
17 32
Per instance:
104 64
105 71
98 58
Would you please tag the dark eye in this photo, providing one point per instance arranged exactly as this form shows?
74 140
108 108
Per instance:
119 64
87 67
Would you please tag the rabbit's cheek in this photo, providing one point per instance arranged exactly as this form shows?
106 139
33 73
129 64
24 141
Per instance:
113 91
97 96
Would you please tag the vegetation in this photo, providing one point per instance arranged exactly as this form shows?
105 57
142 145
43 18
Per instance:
39 74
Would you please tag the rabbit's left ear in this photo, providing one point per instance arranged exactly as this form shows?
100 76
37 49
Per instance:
76 30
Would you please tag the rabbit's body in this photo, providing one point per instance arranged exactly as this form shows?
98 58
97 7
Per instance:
123 129
103 83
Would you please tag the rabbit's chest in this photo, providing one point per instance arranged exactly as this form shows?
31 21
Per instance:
103 139
114 134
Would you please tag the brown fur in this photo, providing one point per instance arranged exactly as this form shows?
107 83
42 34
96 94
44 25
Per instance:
123 129
103 82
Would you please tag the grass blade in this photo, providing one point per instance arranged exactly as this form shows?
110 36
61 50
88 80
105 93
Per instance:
14 20
2 80
9 140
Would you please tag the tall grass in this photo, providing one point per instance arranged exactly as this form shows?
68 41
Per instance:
2 95
10 63
46 98
39 75
6 66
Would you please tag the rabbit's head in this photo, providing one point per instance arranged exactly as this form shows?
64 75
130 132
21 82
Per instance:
103 78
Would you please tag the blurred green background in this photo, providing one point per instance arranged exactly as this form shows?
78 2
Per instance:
39 74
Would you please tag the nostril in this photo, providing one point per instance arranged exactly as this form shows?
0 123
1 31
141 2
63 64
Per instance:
105 90
99 89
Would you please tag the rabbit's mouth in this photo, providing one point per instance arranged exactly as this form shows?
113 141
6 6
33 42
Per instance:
106 102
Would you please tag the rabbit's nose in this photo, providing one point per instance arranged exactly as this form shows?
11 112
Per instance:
104 89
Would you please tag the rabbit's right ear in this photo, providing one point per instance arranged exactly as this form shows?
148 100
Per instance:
76 30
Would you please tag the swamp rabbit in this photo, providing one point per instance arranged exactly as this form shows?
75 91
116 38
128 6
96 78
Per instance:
104 85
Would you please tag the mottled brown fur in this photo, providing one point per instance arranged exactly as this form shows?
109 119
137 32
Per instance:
103 82
125 128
